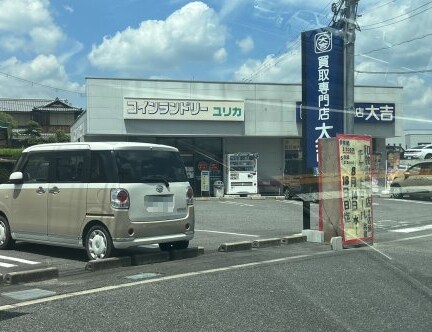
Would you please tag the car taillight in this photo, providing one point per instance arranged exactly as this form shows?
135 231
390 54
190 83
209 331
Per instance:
119 199
189 196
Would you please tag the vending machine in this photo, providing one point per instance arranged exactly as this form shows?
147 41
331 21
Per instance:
241 175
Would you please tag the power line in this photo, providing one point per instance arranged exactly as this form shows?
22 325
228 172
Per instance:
407 18
376 7
390 19
394 45
394 72
269 64
82 94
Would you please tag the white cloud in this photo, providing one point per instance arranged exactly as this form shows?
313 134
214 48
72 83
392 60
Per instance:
28 25
44 69
220 55
286 68
246 45
193 33
68 9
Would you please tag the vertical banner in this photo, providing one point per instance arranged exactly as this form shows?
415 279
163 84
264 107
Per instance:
205 181
322 88
355 171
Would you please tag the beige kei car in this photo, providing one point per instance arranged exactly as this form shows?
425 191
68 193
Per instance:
99 196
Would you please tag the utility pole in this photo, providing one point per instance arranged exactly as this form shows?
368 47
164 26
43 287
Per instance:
349 28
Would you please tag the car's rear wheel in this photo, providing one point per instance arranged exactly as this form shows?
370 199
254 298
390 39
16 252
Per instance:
173 245
396 191
98 243
6 240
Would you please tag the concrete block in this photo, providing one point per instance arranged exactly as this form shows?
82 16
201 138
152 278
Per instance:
108 263
235 246
314 235
294 239
183 253
1 278
31 275
264 243
150 258
336 243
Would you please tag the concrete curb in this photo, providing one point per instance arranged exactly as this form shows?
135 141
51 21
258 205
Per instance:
265 243
108 263
13 278
185 253
1 278
150 258
314 235
235 246
293 239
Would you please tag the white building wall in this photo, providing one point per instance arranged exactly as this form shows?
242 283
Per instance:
270 151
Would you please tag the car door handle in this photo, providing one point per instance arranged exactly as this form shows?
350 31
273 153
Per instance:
40 190
54 190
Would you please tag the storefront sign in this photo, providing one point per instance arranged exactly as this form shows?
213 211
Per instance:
356 188
323 88
365 112
183 109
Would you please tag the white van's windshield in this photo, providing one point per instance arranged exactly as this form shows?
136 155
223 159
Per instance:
149 166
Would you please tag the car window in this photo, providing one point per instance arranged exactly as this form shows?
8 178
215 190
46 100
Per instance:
69 167
36 168
414 170
101 167
142 165
426 169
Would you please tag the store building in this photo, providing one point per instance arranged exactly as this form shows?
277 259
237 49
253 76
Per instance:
207 120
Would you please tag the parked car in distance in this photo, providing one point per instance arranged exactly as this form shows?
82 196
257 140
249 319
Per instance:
99 196
419 152
415 181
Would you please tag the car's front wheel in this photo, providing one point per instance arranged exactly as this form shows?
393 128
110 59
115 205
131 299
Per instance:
6 240
98 243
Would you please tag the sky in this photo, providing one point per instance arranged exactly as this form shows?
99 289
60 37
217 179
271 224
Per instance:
49 47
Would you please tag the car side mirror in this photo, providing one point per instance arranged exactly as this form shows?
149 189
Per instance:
16 178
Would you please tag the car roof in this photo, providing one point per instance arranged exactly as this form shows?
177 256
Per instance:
97 146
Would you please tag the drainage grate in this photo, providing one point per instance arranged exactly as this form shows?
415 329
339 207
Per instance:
29 294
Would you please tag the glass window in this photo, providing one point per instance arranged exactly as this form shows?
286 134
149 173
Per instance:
69 167
148 165
36 168
100 167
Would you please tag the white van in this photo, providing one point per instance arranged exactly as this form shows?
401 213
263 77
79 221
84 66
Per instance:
98 195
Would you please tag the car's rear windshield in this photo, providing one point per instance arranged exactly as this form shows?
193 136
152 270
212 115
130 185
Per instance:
149 166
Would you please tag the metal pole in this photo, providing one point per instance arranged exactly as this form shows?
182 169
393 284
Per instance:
349 36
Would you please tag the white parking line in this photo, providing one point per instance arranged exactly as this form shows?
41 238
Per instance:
239 234
412 229
157 280
235 203
292 202
6 265
407 201
19 260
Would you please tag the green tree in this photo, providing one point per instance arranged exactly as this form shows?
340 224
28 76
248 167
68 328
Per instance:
62 137
33 129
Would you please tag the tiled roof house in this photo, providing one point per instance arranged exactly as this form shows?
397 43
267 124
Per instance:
52 115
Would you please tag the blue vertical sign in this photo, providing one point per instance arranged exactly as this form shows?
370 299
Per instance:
322 88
